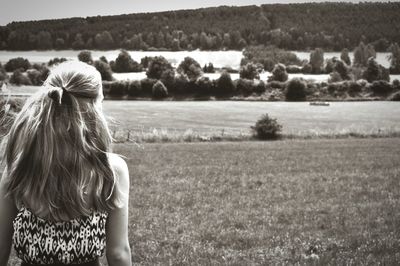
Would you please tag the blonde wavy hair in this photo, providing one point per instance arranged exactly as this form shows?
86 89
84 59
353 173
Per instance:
56 152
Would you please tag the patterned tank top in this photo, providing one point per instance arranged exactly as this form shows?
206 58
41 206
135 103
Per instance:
39 241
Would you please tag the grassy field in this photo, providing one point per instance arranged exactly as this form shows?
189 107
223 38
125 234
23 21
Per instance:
315 202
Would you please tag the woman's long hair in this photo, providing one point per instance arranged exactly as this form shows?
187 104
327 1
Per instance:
56 150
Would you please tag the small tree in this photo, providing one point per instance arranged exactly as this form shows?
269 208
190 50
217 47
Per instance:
157 66
104 69
375 71
124 63
17 63
225 84
86 57
159 90
344 56
209 68
267 128
250 71
296 90
191 68
18 78
279 73
362 53
394 59
317 60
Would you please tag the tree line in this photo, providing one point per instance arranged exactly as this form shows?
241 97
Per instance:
331 26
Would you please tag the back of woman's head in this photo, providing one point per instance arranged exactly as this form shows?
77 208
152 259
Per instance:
56 150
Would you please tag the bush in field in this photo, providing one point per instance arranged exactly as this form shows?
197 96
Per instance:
394 58
341 68
354 87
334 77
181 84
86 57
375 71
18 78
224 85
395 96
279 73
145 61
362 53
56 61
124 63
396 84
260 87
159 90
204 86
381 87
317 60
191 68
245 86
344 56
209 68
330 64
168 79
147 85
157 66
103 59
17 63
294 69
35 77
134 88
267 128
118 89
296 90
104 69
250 71
306 68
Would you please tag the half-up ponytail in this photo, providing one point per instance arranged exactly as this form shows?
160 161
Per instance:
56 150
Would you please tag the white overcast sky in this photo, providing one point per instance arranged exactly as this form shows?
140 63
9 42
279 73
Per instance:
22 10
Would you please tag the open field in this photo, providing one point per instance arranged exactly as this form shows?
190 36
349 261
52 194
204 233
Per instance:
215 118
318 202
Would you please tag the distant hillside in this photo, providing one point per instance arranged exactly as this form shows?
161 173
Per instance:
331 26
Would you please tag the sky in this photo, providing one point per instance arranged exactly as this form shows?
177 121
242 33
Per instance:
23 10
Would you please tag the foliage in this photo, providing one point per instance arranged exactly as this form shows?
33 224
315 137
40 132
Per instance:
56 61
147 86
267 128
250 71
362 54
159 90
124 63
3 73
118 88
35 76
209 68
394 58
296 90
334 77
104 69
205 86
18 78
381 87
191 68
157 66
17 63
317 60
134 88
344 56
86 57
279 73
224 84
375 71
245 86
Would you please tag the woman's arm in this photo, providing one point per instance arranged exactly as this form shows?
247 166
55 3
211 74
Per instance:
118 251
8 211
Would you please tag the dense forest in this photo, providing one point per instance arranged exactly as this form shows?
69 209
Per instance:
332 26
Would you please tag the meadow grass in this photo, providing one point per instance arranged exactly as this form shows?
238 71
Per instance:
305 202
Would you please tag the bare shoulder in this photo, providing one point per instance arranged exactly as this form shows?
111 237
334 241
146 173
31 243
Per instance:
120 169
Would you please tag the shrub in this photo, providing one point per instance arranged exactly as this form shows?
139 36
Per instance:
375 71
35 76
306 68
204 86
293 69
56 61
17 63
277 84
260 86
224 84
381 87
191 68
209 68
134 88
124 63
334 77
250 71
3 73
168 78
245 86
86 57
317 60
147 85
354 87
396 84
296 90
104 69
159 90
103 59
395 96
181 83
341 68
157 66
279 73
118 89
18 78
267 128
146 60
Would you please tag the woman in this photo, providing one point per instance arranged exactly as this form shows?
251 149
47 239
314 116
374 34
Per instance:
63 195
